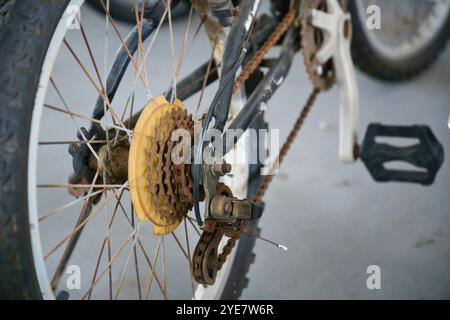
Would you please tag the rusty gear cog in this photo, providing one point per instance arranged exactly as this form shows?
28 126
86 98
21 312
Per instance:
322 76
161 188
170 184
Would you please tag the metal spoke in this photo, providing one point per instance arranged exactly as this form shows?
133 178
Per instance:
133 61
113 258
100 91
70 234
172 50
130 100
125 267
105 240
136 265
158 28
193 222
47 143
147 52
97 72
143 250
180 245
97 265
164 264
71 185
183 47
155 261
140 51
108 243
60 209
189 255
77 115
205 81
131 111
152 268
73 239
105 76
58 92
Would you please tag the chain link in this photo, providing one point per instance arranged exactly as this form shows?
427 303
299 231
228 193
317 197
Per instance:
273 39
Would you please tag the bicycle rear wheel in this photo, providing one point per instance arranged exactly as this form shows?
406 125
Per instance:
41 112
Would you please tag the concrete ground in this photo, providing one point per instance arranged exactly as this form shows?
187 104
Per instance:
337 221
334 218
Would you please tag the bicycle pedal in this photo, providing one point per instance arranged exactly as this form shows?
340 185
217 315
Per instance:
427 155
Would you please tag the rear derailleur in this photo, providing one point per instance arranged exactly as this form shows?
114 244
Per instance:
225 217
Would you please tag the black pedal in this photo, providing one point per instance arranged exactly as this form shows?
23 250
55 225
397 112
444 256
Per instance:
427 155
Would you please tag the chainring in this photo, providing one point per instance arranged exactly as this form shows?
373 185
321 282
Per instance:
322 76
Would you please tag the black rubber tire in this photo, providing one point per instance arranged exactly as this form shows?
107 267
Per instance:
24 41
5 5
380 67
123 9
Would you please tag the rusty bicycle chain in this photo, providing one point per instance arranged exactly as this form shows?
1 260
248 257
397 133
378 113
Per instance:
264 184
250 67
273 39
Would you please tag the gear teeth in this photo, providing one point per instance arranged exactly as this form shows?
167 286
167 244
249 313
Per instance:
171 193
310 36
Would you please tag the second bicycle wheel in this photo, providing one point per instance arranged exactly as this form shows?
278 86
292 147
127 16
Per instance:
411 36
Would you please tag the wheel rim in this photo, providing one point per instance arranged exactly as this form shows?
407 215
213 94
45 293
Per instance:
35 218
396 41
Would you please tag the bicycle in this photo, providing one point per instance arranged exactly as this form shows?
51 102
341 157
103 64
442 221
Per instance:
121 159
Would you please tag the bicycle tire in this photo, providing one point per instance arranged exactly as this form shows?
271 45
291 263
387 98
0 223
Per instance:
372 62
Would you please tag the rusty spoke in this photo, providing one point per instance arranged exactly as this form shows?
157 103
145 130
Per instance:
76 229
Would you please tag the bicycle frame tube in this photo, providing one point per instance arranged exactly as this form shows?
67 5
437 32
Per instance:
237 37
264 91
219 109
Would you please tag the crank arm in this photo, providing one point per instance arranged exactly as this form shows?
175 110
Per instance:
337 27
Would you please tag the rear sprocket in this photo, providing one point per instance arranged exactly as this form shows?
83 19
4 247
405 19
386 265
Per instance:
161 189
